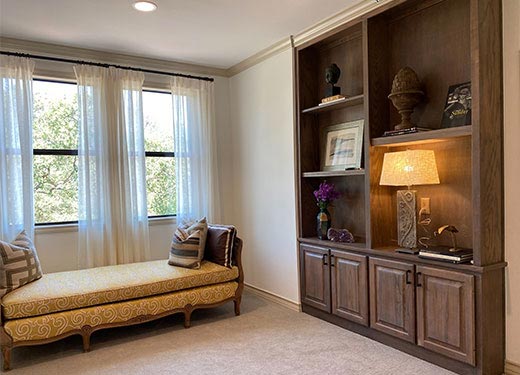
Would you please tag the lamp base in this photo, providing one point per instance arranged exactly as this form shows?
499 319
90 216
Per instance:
406 219
406 250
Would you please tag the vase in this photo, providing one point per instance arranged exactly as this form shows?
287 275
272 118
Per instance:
323 221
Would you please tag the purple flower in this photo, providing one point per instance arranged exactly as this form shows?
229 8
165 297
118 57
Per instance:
325 194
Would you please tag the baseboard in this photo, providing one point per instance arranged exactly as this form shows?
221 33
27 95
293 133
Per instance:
272 297
512 368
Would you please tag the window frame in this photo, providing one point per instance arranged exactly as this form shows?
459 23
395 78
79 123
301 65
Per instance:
54 152
160 154
74 152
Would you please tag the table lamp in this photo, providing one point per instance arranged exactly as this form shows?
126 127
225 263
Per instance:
407 168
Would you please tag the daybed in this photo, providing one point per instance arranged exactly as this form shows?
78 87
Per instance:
81 302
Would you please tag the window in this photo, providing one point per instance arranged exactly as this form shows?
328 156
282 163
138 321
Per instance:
55 143
160 162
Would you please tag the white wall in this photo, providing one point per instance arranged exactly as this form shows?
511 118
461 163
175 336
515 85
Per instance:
57 248
262 196
512 174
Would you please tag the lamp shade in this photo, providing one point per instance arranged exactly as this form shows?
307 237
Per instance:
410 167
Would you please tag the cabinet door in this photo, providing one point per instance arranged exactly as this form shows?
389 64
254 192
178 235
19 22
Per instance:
349 286
392 303
315 277
445 313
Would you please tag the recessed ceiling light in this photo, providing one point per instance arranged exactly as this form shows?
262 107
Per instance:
145 6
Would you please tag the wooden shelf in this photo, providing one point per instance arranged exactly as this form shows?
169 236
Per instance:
430 136
353 172
347 102
355 246
388 252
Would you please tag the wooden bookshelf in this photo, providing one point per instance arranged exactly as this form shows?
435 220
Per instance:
447 42
325 174
344 103
423 137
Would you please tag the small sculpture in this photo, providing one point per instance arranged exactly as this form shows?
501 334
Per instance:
332 74
340 235
452 230
406 94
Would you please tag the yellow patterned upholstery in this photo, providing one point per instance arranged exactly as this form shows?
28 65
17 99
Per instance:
78 289
52 325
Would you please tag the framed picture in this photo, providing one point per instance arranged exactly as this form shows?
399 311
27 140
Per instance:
457 110
341 146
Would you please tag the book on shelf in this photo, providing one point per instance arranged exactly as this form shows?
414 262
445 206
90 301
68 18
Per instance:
457 110
443 253
332 99
413 130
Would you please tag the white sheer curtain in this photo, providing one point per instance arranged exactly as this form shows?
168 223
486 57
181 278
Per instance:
16 171
113 218
195 149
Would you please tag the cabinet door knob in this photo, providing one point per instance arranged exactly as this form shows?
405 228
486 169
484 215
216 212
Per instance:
332 260
408 276
418 276
324 259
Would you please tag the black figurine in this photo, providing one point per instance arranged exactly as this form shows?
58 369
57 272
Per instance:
332 74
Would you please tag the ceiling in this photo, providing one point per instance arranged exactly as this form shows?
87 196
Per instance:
218 33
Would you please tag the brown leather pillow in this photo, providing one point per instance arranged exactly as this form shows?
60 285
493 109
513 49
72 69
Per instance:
219 244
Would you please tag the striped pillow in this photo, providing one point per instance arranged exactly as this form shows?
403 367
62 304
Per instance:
19 264
187 248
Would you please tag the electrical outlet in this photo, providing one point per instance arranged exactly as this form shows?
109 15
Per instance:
425 206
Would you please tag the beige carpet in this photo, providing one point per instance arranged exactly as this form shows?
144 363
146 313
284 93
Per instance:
265 339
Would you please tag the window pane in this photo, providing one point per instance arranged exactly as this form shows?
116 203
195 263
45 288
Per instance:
161 186
55 188
55 122
158 121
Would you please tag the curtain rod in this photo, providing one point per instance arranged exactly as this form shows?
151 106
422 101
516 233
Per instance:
103 65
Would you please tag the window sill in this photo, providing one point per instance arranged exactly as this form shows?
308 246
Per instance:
56 228
169 220
61 228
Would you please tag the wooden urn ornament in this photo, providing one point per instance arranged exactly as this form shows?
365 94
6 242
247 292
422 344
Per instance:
406 94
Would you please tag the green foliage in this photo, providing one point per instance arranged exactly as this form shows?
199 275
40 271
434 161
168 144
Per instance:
55 126
161 186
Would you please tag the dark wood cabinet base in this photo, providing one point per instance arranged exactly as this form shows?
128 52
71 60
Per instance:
410 348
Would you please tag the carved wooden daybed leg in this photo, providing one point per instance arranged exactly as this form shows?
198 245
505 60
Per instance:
86 331
237 305
237 251
6 355
187 315
6 343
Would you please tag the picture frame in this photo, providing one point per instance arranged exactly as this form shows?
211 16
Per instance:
341 146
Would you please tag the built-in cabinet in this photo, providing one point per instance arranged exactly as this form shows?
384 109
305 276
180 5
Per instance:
448 314
429 306
392 298
349 291
335 282
315 277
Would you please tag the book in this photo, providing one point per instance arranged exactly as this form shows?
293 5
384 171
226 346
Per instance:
443 253
457 110
415 129
332 99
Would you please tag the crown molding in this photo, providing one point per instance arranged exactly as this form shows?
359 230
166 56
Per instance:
260 56
339 19
55 50
322 27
